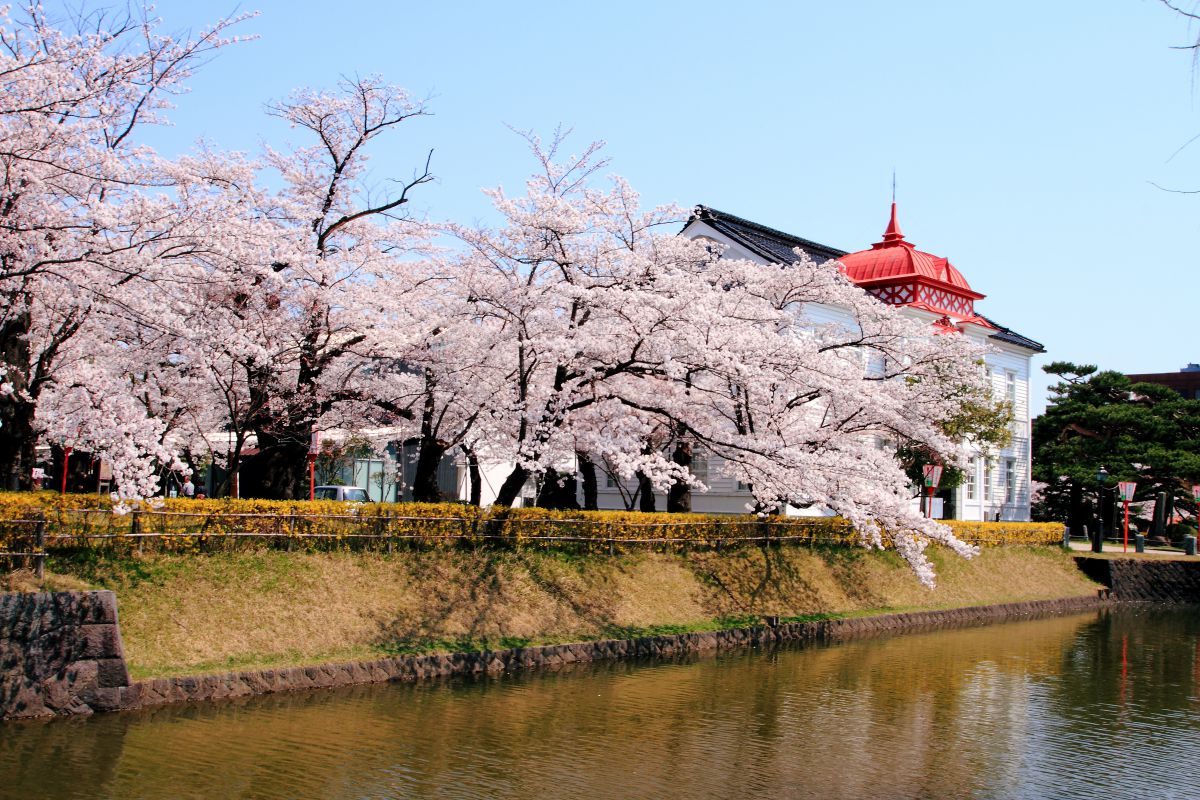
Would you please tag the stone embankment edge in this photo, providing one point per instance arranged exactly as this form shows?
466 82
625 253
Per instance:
204 688
60 654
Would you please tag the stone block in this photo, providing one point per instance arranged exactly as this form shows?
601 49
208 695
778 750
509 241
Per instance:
101 641
112 672
105 699
103 608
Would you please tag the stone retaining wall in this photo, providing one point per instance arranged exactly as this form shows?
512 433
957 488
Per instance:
80 673
60 653
1144 579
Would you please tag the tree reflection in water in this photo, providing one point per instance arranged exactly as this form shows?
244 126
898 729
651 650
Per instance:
1032 709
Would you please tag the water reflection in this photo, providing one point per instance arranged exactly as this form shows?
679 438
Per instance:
1094 705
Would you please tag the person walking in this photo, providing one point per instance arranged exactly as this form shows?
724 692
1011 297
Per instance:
189 488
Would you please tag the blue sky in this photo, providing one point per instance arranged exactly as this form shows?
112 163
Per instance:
1025 135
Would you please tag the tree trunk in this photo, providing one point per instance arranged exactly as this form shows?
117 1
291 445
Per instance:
1075 511
546 494
1108 511
679 496
17 444
645 494
474 477
510 490
279 470
17 453
424 485
587 468
558 491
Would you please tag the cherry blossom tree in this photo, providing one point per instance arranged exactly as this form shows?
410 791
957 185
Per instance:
573 285
790 409
85 212
619 337
304 307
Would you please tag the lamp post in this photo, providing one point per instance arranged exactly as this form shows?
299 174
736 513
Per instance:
933 476
1098 540
1196 497
1127 489
66 461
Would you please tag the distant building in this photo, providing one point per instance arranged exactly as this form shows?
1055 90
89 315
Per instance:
1186 381
929 287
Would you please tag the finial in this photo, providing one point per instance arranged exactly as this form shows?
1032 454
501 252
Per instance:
893 234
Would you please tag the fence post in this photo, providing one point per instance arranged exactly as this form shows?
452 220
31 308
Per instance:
39 568
135 527
291 529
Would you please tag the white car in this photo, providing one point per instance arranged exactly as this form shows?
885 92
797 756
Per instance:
348 494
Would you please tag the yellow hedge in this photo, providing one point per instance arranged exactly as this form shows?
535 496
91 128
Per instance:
88 519
1005 533
526 524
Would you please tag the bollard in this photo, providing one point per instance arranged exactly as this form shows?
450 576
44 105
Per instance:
1098 540
1139 543
1066 538
1189 545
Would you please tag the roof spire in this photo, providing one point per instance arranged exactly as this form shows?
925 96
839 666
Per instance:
893 234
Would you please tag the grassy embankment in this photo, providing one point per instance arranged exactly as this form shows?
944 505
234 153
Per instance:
193 613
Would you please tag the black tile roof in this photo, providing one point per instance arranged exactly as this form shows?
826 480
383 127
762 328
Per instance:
775 246
1004 334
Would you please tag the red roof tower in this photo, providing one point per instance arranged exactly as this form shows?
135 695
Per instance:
898 273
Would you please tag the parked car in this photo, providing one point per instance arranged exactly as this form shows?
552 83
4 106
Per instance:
348 494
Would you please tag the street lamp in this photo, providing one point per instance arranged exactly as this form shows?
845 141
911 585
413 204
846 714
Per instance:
1196 497
933 476
1127 488
1098 540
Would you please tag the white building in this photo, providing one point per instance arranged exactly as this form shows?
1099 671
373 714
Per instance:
997 485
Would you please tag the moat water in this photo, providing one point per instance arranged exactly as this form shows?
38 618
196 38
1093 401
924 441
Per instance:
1098 705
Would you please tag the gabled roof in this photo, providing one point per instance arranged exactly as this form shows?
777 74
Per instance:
775 246
1010 336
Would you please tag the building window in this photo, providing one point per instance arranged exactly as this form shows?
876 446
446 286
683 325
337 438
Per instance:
971 477
609 481
876 364
1010 388
699 464
987 480
1010 480
743 487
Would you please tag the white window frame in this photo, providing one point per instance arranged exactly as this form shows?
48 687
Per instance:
1010 480
972 477
700 464
987 480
